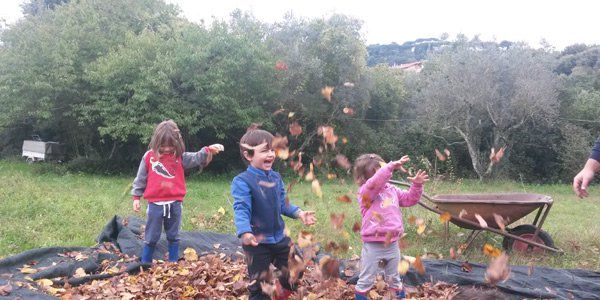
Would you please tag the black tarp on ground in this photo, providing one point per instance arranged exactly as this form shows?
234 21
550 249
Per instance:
544 282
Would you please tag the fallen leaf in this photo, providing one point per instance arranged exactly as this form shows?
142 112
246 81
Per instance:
343 161
491 251
305 239
348 110
348 84
439 155
412 220
366 201
447 152
344 199
28 270
80 272
498 270
337 220
221 210
281 66
356 227
327 91
482 222
452 254
291 114
403 267
462 213
44 282
418 265
5 290
295 129
445 217
216 246
316 188
530 268
466 267
500 221
189 254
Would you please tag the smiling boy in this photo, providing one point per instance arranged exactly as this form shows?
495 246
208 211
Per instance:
259 201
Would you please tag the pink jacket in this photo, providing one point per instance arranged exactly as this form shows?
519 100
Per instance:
383 216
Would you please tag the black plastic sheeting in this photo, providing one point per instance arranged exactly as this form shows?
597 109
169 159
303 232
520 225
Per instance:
544 283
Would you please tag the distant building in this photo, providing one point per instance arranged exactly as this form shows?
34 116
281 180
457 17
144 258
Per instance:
416 66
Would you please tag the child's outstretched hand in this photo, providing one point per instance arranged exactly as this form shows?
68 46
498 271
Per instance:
398 163
136 205
420 177
248 239
216 148
307 217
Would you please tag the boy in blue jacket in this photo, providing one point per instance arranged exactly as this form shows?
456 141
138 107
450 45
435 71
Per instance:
259 201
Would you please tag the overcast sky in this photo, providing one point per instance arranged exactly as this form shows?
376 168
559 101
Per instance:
561 23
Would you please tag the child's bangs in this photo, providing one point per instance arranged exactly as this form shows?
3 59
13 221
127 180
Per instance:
257 137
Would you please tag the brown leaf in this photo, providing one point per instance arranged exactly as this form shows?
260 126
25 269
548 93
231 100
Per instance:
5 290
418 265
482 222
305 239
366 201
343 161
491 251
337 220
329 267
295 129
500 221
344 199
498 270
327 91
447 152
356 227
439 155
466 267
316 188
445 217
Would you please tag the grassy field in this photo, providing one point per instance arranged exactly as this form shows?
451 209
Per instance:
44 209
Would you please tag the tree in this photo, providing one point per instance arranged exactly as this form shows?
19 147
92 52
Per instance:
483 94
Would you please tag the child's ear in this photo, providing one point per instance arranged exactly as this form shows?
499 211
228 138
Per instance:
247 156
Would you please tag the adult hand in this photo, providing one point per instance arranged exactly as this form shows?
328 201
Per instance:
582 180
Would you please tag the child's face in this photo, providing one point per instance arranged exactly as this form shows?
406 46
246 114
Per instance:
263 157
166 150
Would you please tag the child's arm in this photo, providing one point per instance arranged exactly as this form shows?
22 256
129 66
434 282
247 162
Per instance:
196 159
412 196
373 186
242 206
139 184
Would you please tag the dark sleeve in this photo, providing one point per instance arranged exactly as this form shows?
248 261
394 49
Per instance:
596 151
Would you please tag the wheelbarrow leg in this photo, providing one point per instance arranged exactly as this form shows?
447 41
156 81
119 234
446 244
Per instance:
471 238
546 209
446 231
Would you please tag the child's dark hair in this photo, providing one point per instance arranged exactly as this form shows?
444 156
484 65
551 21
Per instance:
365 167
253 138
167 133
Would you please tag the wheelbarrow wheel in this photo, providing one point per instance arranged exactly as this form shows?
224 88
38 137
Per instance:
526 231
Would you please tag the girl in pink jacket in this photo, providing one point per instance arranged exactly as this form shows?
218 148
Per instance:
380 204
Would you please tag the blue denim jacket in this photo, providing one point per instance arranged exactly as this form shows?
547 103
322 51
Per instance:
259 201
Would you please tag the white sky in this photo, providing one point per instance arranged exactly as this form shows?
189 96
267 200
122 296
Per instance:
561 23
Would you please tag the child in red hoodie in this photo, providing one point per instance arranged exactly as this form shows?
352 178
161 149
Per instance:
160 180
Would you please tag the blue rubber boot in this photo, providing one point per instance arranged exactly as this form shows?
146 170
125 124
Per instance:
147 252
401 294
360 296
173 252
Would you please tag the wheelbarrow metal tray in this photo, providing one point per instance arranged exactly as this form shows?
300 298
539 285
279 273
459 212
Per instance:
511 206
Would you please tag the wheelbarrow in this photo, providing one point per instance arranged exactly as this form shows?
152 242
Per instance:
510 206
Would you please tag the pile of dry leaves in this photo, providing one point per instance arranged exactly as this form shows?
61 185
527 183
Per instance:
219 276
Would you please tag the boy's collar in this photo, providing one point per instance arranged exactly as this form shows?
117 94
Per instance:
258 171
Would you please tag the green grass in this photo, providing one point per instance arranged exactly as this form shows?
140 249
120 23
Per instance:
44 209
